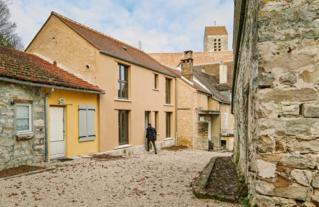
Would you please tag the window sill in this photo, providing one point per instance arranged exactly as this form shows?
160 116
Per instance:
123 146
168 105
155 89
123 100
24 136
168 139
158 134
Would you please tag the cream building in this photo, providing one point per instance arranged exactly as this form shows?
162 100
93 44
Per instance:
139 90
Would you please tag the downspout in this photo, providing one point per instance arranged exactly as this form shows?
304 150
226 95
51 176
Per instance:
46 156
176 125
220 124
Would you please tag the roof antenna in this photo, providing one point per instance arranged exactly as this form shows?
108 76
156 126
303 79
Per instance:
139 45
214 23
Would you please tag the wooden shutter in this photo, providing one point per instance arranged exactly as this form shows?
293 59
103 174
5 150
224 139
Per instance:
82 123
90 123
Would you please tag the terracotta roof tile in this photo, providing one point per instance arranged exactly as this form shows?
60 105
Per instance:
113 46
216 30
174 59
27 67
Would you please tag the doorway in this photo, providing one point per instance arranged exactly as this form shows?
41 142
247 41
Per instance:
57 132
147 121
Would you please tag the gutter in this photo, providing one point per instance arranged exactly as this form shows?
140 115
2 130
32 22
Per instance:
47 86
46 156
135 63
236 55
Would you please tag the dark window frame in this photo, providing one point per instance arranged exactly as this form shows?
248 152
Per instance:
155 81
123 79
168 90
123 127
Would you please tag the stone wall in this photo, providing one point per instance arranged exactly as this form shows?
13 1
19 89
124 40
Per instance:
12 152
276 102
201 140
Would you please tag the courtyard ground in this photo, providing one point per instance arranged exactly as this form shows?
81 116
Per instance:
140 180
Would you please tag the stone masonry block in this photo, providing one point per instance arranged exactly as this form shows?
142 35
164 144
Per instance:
265 80
310 111
279 95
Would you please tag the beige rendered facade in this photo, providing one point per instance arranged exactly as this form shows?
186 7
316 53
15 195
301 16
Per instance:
82 50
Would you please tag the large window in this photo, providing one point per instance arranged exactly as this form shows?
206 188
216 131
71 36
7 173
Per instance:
168 91
123 127
155 81
168 124
23 118
122 81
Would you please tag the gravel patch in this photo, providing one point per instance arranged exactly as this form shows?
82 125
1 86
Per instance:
140 180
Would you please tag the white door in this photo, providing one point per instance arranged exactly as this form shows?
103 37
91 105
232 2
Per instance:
57 140
209 130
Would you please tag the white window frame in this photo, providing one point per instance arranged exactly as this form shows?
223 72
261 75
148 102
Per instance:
30 118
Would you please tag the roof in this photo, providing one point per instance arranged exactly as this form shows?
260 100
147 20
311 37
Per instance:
216 30
174 59
213 69
111 45
210 86
23 66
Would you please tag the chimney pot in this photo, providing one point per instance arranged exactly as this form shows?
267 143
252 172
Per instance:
54 63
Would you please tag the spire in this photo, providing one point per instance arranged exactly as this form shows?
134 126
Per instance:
139 45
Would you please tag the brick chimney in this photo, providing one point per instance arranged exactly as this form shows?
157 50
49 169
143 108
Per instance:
187 65
223 73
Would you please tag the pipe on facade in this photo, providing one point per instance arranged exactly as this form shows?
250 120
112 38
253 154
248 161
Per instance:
176 125
46 156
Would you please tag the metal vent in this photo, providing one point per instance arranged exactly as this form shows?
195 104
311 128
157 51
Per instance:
124 48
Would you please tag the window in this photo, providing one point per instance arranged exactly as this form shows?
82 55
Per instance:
203 69
156 120
86 123
123 127
23 118
226 121
168 124
122 81
168 91
155 81
215 40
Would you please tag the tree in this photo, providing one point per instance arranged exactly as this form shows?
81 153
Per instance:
8 28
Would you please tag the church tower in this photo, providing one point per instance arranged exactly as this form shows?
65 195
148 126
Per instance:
215 39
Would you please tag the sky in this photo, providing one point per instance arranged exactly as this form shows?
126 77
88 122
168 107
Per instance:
161 25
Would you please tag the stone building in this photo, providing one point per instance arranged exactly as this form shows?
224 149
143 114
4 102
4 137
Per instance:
25 81
215 39
275 101
200 108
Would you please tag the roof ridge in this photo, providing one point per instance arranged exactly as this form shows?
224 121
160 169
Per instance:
82 25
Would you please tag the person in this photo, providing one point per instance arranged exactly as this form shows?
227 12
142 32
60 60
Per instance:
151 137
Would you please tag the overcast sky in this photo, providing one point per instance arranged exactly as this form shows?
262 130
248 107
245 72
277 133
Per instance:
161 25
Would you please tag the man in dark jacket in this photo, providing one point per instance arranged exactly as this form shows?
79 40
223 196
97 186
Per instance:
151 136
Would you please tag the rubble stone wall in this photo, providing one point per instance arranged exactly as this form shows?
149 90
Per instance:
277 145
14 153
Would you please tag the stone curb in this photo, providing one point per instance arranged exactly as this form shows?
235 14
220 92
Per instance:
28 173
199 189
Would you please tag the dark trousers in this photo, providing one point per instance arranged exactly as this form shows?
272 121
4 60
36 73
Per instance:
148 144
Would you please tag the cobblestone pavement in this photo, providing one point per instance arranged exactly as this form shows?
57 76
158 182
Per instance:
140 180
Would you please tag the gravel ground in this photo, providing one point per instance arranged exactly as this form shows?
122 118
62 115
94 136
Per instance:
141 180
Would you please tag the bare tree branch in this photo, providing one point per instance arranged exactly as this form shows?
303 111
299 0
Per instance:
8 28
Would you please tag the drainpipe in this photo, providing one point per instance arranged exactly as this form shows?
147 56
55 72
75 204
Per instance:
46 156
176 134
220 123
